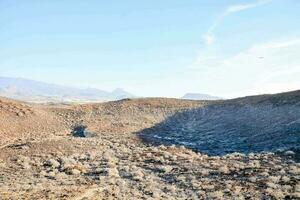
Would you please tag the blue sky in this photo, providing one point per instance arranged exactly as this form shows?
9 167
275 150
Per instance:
167 48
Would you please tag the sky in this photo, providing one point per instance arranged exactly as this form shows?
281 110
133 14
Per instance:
226 48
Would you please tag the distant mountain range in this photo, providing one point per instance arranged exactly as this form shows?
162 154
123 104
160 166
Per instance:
36 91
198 96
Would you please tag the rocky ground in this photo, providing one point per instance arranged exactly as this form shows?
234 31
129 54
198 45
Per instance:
252 124
40 158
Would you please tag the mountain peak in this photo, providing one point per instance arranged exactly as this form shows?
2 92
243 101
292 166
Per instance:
30 90
121 93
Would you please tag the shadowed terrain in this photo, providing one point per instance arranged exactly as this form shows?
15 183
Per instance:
251 124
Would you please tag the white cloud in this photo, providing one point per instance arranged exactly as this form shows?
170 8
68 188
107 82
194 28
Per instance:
240 7
276 44
237 8
263 68
272 88
268 67
209 36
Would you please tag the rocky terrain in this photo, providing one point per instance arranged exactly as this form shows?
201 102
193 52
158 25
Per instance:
251 124
95 151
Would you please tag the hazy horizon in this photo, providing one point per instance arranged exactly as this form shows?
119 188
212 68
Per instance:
228 49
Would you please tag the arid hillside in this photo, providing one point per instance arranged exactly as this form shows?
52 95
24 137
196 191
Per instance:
20 120
250 124
94 151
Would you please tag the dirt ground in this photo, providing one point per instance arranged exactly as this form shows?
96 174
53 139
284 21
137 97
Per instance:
40 157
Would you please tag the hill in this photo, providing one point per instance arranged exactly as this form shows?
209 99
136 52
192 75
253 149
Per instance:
35 91
249 124
93 151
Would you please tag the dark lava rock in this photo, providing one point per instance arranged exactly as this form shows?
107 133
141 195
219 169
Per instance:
80 131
